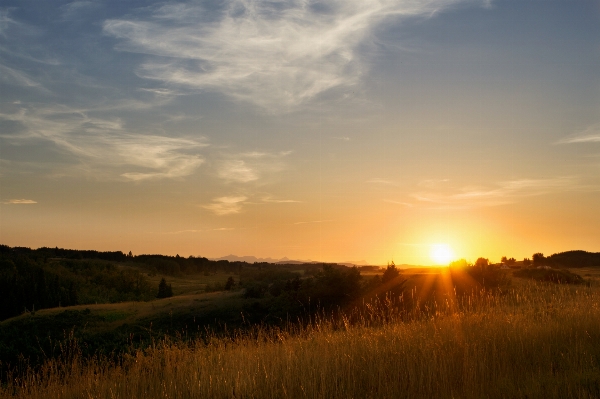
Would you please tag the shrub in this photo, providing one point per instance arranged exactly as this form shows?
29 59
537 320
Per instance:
551 275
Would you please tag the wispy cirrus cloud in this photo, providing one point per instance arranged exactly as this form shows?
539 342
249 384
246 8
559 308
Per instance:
270 199
20 202
276 55
385 182
499 194
74 9
158 156
259 154
407 204
104 144
249 166
7 23
18 78
18 44
237 170
226 205
433 183
589 135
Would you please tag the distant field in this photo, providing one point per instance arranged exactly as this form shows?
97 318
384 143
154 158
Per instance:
184 284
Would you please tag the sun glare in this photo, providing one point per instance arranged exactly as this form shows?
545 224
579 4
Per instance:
441 253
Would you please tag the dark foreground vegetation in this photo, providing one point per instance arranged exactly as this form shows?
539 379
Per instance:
539 341
308 316
552 275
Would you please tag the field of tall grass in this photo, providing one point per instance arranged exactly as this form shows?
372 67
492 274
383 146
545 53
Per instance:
534 341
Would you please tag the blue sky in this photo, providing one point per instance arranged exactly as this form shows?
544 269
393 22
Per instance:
325 130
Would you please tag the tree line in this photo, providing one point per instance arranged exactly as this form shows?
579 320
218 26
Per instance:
27 286
35 279
566 259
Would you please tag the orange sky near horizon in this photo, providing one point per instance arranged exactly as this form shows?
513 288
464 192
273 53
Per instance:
356 131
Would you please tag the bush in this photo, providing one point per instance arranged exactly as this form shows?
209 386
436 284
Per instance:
255 289
229 284
490 277
550 275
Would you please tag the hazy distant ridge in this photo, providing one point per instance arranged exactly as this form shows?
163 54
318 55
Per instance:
252 259
286 260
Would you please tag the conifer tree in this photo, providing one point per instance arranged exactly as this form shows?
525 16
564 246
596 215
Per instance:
164 290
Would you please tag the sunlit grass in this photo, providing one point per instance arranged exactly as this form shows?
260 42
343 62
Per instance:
537 341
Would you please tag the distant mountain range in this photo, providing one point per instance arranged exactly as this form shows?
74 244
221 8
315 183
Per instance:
252 259
284 260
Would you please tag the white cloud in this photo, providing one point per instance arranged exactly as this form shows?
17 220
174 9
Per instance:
18 78
258 154
19 44
378 180
20 201
105 144
250 166
273 54
502 193
6 22
279 201
163 156
76 8
589 135
226 205
237 170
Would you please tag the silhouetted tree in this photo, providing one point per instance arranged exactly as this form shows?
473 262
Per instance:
538 259
508 261
460 264
72 294
526 261
390 273
229 284
482 262
164 290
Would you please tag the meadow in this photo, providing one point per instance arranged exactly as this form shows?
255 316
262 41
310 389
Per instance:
535 340
240 330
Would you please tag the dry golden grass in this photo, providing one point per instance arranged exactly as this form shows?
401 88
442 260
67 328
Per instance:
539 341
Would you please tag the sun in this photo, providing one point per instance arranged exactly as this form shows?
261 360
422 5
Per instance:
441 254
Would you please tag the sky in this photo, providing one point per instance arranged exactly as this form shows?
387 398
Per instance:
354 130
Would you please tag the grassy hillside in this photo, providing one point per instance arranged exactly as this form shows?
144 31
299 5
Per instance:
54 277
287 331
537 341
114 329
264 300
